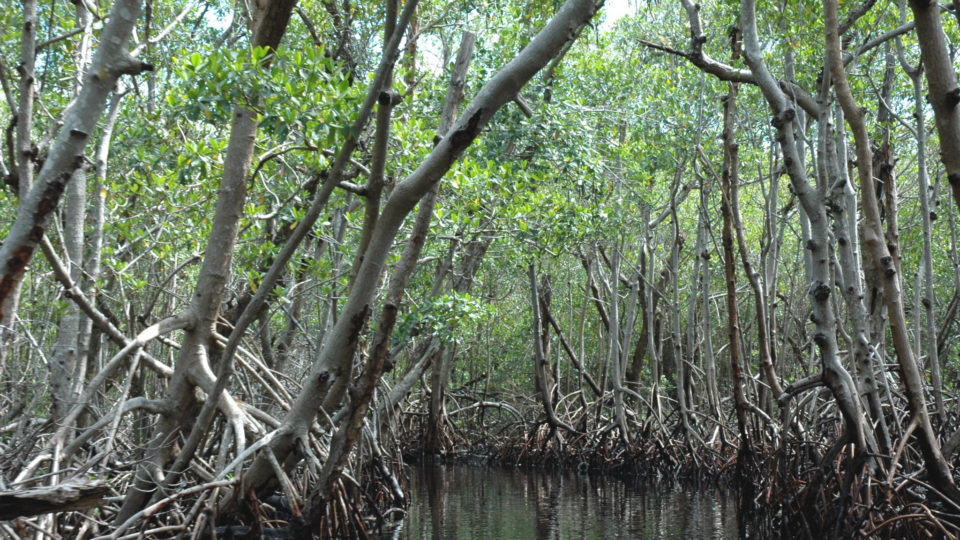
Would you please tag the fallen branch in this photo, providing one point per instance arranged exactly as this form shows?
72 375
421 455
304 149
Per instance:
66 496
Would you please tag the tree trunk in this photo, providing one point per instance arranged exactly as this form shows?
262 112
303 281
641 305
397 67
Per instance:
926 258
675 339
24 160
936 465
944 93
709 358
835 376
192 368
540 361
844 217
381 139
37 207
728 178
764 343
336 357
66 365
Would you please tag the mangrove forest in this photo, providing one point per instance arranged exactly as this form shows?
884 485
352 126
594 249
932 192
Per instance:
259 257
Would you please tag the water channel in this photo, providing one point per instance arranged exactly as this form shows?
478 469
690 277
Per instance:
468 502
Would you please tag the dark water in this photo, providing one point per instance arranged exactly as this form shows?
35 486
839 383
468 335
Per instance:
459 501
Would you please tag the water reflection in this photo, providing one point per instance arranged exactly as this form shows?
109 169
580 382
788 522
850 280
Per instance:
457 501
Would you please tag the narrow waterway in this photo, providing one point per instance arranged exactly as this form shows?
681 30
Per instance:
466 502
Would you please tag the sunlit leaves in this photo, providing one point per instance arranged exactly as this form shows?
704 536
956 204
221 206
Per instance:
446 317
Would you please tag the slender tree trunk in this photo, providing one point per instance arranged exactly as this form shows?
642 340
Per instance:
835 375
770 261
845 218
89 339
936 465
651 308
433 443
693 300
25 160
728 178
545 295
381 139
764 344
926 259
706 328
540 361
675 339
37 206
192 368
632 373
944 93
336 357
614 346
68 354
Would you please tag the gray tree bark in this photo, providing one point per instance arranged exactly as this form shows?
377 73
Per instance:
944 93
24 158
37 206
835 376
336 356
936 465
192 368
67 363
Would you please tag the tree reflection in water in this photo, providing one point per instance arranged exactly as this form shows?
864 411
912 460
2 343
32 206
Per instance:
458 501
